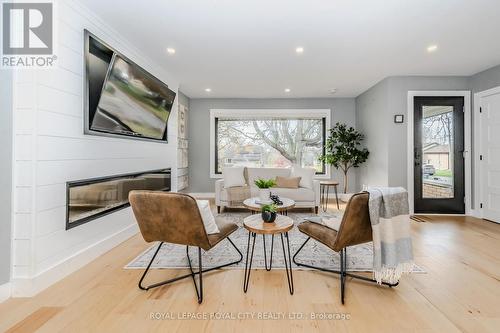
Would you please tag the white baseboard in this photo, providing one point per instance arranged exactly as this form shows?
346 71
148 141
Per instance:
5 291
208 195
28 287
475 213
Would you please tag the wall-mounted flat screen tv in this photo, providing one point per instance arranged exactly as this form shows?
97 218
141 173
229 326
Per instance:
125 99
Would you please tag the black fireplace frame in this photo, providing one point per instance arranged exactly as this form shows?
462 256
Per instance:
83 220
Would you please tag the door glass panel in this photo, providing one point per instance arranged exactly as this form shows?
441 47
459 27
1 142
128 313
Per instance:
437 152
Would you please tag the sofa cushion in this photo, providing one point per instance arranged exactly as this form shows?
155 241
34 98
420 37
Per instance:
233 176
287 182
297 194
306 176
265 173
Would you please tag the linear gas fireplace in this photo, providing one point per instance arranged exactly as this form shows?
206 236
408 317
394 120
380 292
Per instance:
92 198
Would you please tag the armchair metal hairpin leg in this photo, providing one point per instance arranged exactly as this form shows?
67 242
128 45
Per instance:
343 270
248 268
199 291
288 263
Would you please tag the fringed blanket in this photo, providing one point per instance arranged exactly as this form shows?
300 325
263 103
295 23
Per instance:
392 248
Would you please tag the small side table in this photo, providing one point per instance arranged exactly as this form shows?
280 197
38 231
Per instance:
325 190
255 225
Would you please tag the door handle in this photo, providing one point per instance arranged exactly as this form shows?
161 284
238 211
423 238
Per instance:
416 157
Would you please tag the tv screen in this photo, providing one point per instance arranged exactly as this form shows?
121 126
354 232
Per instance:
132 102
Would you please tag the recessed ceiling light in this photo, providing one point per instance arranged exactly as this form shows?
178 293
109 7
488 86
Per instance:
287 90
170 50
432 48
208 89
299 50
333 91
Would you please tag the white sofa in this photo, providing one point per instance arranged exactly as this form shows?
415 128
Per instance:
303 197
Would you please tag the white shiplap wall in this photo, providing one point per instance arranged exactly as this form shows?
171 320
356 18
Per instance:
51 149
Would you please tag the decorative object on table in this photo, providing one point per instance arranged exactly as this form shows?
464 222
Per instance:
399 118
268 213
264 186
276 200
325 191
255 206
343 151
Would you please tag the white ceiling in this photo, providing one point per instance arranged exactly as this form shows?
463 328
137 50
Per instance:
246 48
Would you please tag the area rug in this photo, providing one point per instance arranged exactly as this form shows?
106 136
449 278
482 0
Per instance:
359 257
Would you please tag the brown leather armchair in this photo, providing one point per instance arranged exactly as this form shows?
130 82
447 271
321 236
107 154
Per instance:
354 229
175 218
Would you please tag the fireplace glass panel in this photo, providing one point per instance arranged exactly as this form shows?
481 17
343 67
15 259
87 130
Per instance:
90 199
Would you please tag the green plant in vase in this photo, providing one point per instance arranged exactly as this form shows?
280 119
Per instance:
264 186
343 150
269 212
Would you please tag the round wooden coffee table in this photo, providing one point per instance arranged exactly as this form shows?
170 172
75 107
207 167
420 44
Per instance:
253 206
255 225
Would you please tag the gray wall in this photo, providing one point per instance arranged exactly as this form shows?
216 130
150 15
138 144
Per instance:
5 173
485 80
343 110
398 104
371 120
375 110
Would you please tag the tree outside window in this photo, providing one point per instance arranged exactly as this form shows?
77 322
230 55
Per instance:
277 142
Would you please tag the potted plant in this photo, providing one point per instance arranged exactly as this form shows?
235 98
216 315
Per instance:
264 186
343 150
268 213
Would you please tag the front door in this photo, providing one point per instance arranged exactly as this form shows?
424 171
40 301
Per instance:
438 155
489 136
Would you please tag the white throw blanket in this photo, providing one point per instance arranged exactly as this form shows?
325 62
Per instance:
392 248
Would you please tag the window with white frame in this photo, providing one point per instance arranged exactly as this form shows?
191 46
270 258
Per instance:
268 138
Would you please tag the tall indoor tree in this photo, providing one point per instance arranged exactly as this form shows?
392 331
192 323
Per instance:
343 149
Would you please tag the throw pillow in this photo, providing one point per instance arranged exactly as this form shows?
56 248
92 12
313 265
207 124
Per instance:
207 217
287 182
332 222
306 176
233 176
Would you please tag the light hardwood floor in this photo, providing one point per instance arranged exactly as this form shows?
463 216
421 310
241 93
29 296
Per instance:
460 292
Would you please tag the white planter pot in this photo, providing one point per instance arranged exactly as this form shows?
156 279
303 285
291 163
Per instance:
264 194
